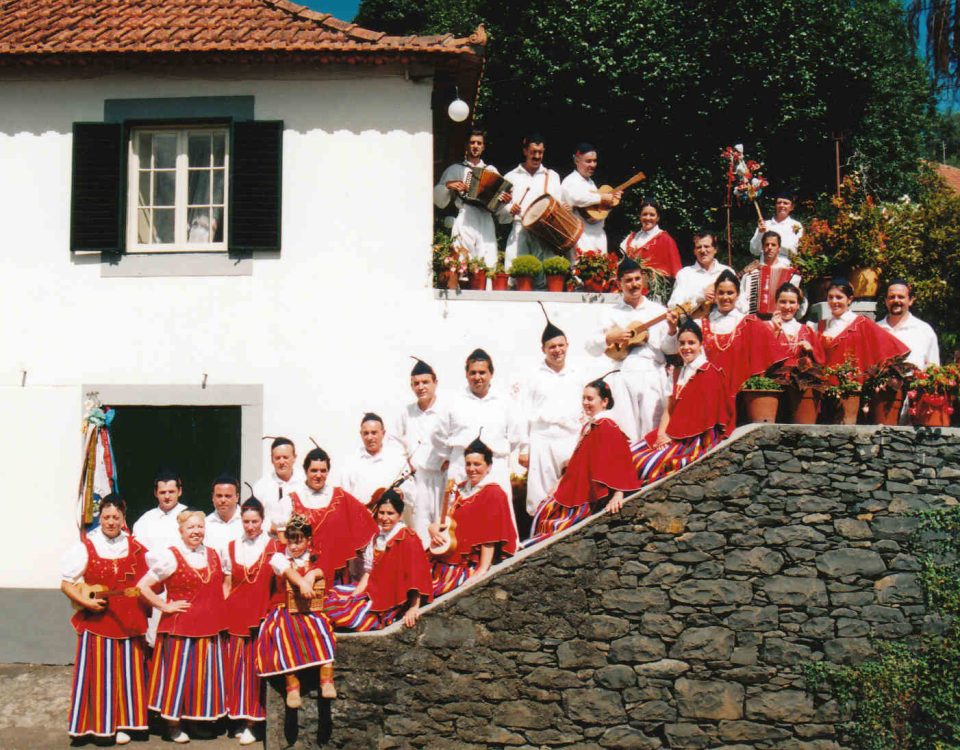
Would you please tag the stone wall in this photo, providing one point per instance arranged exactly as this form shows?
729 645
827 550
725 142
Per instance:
684 622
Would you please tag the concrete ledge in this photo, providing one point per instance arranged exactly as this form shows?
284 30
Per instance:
142 265
470 295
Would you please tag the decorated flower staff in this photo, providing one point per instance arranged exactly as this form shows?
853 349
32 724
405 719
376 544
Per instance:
98 476
744 182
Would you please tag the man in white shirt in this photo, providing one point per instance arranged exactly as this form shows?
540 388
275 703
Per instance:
912 331
478 408
530 180
376 465
771 257
157 529
273 489
552 408
579 191
473 228
695 283
417 431
641 390
789 229
224 525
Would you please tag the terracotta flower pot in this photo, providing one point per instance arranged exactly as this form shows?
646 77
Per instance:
452 280
555 282
885 406
478 280
932 411
594 285
840 411
761 406
523 283
500 282
802 406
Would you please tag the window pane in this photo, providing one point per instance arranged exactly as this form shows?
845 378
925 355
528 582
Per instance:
165 188
143 197
144 149
199 150
143 227
163 226
165 151
217 186
216 221
219 149
201 227
199 189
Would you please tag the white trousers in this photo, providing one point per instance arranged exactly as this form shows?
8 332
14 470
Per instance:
425 492
639 397
550 449
474 230
522 242
593 238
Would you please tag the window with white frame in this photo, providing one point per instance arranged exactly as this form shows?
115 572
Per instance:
177 197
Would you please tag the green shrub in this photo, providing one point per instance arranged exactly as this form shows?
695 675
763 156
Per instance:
556 266
761 383
525 265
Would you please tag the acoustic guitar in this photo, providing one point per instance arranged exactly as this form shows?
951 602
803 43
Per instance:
597 213
378 493
640 330
447 525
92 591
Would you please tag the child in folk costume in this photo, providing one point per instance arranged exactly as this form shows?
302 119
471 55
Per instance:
651 244
187 673
396 576
251 590
481 520
697 412
846 334
292 641
109 696
597 474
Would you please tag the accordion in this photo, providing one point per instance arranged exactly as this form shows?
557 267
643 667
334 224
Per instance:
297 604
484 188
762 284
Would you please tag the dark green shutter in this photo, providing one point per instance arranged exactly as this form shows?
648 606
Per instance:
96 195
256 156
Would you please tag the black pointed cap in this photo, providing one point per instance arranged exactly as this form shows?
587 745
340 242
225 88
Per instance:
550 331
421 368
478 446
627 265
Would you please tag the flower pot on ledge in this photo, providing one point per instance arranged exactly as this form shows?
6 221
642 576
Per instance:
841 411
555 282
932 411
594 285
761 406
501 282
802 406
523 283
885 406
478 280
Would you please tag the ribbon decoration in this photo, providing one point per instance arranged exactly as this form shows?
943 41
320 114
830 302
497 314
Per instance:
744 177
98 473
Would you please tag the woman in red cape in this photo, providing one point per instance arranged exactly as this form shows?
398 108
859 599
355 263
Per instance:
109 696
251 592
598 473
651 244
847 334
696 414
342 526
800 339
396 577
482 522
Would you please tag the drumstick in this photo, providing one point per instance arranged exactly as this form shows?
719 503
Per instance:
520 202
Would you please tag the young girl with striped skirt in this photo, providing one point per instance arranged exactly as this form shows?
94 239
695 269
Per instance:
598 473
396 576
251 587
293 641
109 695
482 524
187 678
697 412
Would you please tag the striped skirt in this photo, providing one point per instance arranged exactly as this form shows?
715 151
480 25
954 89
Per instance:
655 463
552 518
245 693
187 678
109 686
289 642
350 612
447 576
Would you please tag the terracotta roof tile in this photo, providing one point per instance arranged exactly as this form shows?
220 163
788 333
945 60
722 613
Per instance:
37 28
950 175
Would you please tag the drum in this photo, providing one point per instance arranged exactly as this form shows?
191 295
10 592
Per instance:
553 222
484 188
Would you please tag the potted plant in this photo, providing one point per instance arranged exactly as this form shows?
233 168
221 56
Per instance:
885 384
477 270
523 269
812 260
761 398
556 270
932 394
802 388
841 402
594 270
500 276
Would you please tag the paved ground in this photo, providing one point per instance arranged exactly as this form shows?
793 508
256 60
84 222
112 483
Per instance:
34 702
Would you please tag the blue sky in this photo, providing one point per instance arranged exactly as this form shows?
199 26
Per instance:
345 10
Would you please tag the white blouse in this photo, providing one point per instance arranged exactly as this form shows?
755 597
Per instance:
688 370
75 559
790 327
163 563
837 325
279 561
379 544
315 500
724 324
247 551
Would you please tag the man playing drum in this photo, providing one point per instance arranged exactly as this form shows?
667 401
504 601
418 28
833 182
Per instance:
530 180
580 191
473 228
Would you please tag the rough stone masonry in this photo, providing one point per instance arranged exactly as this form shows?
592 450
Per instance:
684 622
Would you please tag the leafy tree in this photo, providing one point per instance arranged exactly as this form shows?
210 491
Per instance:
940 40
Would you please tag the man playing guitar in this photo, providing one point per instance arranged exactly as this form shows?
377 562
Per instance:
580 191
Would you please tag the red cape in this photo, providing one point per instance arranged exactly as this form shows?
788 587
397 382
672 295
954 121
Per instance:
482 518
660 253
699 406
750 350
401 568
804 334
340 530
870 344
601 462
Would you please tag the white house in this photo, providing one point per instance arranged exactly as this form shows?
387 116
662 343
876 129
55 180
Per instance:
215 212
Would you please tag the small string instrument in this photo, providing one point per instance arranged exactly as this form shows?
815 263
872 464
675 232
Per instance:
598 212
640 330
378 493
447 525
92 591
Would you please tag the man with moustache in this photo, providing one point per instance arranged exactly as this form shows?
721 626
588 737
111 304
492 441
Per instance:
907 327
695 283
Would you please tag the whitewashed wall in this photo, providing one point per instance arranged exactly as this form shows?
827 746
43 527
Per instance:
326 328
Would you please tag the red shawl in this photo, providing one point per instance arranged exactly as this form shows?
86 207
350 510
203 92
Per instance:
698 406
660 253
804 334
340 530
870 344
482 518
401 568
601 462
